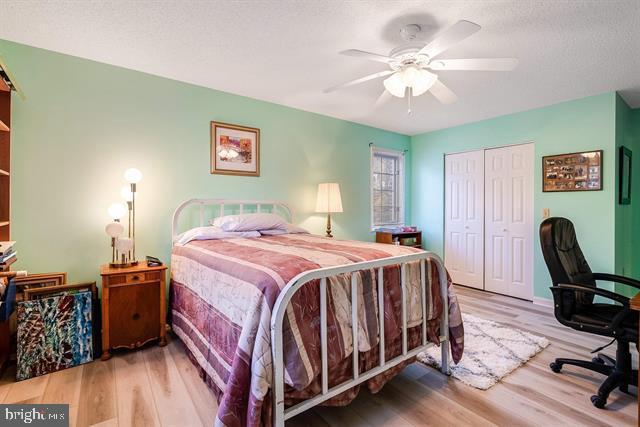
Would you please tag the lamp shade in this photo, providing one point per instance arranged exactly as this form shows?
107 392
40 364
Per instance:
114 229
394 85
423 82
418 79
124 244
126 193
329 199
133 175
117 210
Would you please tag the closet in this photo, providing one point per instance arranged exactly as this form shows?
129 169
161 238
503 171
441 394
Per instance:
464 218
489 219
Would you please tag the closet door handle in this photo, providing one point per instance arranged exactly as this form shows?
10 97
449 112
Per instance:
504 230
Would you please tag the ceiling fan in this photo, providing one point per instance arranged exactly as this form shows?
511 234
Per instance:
411 65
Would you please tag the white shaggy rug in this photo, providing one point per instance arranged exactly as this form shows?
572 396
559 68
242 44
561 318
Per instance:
491 351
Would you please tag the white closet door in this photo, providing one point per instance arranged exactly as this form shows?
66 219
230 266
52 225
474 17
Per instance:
509 220
464 222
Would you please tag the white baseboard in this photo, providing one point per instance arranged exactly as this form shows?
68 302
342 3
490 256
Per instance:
545 302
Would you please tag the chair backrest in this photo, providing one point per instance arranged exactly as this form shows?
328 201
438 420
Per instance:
565 260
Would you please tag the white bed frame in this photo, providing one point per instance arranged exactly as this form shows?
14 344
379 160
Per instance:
280 414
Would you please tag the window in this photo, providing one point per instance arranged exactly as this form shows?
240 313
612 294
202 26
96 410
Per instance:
387 187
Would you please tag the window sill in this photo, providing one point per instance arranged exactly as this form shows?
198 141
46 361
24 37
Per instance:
378 227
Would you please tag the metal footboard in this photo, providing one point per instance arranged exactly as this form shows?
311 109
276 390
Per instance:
280 414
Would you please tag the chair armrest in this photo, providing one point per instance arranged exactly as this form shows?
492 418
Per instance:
617 279
595 291
615 322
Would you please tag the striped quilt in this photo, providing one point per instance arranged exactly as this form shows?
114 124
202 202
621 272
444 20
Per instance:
222 293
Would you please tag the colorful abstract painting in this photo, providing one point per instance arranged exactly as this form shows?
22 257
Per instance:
54 333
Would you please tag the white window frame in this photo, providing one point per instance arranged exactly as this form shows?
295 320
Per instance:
400 185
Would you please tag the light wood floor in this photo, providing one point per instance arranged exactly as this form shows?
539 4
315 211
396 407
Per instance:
159 386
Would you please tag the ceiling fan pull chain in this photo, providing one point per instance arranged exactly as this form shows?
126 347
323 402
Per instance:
409 100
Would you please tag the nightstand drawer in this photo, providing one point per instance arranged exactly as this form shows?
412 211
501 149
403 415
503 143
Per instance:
131 278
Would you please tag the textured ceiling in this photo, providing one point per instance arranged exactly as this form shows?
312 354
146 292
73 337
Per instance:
287 51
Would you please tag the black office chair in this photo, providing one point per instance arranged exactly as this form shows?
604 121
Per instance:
574 288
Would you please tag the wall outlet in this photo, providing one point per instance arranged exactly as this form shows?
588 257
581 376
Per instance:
545 213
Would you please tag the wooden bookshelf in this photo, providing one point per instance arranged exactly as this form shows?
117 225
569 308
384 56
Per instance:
7 85
5 164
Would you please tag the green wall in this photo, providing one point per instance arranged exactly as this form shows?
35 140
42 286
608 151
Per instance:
628 216
84 123
580 125
635 198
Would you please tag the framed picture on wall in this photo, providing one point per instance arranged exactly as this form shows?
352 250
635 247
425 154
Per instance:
572 172
625 176
235 150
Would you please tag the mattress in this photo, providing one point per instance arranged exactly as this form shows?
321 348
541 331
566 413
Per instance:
222 293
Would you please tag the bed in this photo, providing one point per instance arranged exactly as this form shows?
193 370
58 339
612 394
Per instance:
268 319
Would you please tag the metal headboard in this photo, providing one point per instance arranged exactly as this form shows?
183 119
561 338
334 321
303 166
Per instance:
275 206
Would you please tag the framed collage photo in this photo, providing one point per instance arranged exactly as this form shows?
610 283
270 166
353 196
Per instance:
572 172
235 150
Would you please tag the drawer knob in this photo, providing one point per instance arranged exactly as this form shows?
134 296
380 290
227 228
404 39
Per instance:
136 277
135 316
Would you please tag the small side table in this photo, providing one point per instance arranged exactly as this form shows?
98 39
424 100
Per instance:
634 303
404 238
133 306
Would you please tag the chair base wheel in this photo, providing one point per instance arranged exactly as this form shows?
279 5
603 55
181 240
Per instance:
555 367
597 360
598 401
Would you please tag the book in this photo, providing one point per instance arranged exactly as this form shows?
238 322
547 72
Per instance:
8 257
7 254
6 246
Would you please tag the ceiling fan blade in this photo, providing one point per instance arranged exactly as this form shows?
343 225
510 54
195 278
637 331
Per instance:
360 80
384 97
443 93
454 34
367 55
477 64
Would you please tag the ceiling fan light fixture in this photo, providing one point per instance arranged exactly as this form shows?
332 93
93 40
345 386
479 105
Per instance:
423 82
395 85
410 75
407 73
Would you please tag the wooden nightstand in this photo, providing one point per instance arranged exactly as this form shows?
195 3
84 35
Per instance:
404 238
133 306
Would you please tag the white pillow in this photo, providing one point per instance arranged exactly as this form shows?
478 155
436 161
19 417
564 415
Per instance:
249 222
287 229
211 233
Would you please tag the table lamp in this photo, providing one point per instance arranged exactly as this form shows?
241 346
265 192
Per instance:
329 201
132 176
124 248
